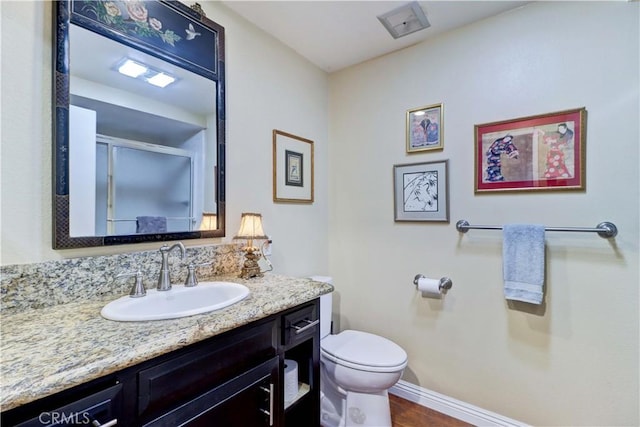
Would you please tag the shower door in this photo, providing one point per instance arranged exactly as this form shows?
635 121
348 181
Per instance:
147 180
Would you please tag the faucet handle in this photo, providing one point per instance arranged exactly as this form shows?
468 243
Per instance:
138 289
192 279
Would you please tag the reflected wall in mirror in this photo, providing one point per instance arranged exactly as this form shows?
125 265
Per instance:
137 159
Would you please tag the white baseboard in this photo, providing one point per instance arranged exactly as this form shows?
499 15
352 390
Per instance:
450 406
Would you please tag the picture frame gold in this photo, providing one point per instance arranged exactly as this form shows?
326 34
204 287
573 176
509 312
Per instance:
293 168
424 127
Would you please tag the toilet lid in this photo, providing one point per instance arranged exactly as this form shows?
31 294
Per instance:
371 352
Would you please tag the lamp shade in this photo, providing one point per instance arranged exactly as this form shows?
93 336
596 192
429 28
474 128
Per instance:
251 227
209 221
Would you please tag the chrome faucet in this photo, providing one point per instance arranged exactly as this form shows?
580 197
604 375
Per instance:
164 280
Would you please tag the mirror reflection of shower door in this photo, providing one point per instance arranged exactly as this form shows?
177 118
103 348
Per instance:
150 183
102 188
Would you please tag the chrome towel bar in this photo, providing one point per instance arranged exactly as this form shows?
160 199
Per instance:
604 229
169 218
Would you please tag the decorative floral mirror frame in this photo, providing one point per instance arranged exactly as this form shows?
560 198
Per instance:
206 58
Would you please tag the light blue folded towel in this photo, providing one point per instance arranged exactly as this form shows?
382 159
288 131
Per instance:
523 262
151 224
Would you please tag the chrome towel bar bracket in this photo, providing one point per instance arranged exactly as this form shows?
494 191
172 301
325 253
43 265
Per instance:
605 229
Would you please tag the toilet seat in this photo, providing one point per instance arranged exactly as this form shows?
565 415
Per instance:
363 351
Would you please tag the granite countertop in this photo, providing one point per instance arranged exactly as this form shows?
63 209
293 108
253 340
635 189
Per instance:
48 350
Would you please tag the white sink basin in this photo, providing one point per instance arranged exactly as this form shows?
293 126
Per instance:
179 301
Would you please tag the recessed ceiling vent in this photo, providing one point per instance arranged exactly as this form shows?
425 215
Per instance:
404 20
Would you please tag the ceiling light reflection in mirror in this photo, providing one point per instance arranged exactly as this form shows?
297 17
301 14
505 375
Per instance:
136 70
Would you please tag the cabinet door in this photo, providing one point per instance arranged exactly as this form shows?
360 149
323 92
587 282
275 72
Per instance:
245 401
168 385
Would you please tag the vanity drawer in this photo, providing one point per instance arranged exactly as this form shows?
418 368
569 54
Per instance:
104 406
184 378
300 324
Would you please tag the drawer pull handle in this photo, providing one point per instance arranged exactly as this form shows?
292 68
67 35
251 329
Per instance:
269 413
111 423
309 325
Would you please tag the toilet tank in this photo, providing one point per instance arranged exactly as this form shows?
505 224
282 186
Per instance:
326 302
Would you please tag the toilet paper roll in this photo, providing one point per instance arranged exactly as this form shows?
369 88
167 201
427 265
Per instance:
429 287
290 379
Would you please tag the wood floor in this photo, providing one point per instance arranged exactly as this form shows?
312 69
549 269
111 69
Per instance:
408 414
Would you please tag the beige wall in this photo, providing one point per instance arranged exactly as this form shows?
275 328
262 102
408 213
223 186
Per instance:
260 71
577 364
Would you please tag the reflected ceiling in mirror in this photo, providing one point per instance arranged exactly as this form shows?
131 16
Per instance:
135 162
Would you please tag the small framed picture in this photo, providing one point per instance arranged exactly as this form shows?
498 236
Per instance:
421 191
543 152
424 129
292 168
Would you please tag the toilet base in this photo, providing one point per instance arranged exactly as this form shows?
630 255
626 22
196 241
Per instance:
368 409
357 409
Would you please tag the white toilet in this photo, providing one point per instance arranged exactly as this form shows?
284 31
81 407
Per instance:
357 368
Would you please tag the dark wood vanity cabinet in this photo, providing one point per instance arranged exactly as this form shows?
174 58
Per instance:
232 379
300 340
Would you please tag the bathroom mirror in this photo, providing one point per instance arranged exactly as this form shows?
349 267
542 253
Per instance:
136 161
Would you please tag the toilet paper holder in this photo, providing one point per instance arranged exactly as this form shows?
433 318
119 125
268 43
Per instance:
445 282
